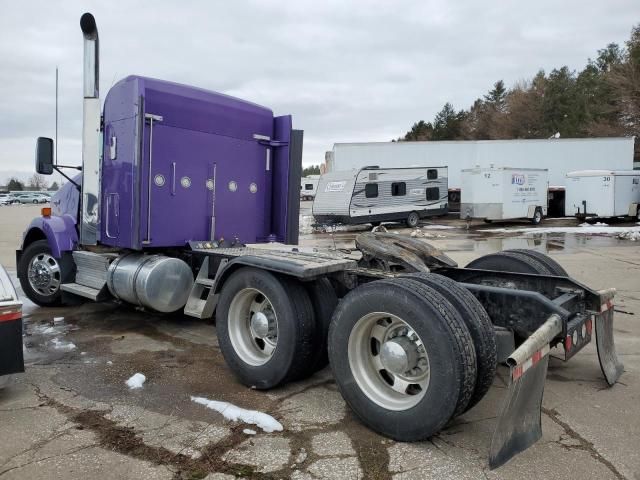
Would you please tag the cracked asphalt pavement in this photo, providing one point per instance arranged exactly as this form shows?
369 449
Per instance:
72 416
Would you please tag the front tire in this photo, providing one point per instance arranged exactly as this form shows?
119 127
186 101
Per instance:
265 327
41 274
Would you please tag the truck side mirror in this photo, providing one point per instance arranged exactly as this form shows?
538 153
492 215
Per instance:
44 156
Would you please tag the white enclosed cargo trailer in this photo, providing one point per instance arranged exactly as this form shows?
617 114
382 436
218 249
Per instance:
559 156
374 195
603 193
504 193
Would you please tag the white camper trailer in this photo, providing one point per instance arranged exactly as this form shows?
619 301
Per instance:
374 195
308 187
603 193
504 193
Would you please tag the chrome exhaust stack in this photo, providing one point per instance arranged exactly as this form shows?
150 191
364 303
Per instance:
91 173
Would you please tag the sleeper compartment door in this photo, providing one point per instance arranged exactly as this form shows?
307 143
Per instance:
177 194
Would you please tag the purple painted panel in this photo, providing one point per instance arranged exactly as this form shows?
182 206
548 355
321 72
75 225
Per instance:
120 176
60 232
182 198
199 132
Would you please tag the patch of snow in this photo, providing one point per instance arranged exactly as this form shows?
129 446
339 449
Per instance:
136 381
62 345
266 422
58 320
109 362
248 431
83 353
433 226
597 224
421 234
46 330
591 229
305 224
633 236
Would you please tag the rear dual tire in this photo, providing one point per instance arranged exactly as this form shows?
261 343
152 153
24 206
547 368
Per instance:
477 322
266 327
520 261
393 385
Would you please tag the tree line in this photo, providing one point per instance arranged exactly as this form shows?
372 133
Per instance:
602 100
36 182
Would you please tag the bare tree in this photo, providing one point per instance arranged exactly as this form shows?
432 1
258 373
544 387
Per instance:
38 182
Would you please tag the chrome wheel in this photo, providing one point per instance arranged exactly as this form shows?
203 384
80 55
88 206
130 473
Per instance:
44 274
253 326
388 361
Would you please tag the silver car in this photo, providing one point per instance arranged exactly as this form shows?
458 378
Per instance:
30 198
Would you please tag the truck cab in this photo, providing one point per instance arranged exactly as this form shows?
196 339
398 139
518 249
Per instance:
164 164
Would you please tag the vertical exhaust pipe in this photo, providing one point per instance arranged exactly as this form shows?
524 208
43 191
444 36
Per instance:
91 56
91 167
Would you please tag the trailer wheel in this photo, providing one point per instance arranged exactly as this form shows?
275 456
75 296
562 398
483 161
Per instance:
537 217
324 301
477 321
402 357
41 274
265 327
507 261
554 267
413 219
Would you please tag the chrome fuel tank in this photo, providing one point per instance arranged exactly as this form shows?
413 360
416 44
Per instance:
152 281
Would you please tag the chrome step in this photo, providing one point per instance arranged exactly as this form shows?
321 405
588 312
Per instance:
197 306
95 294
91 268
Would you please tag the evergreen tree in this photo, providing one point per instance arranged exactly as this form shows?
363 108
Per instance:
419 131
497 96
447 125
15 185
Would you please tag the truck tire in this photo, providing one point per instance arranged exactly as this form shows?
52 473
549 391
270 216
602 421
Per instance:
477 321
385 327
324 301
507 261
413 219
41 274
265 327
554 267
537 217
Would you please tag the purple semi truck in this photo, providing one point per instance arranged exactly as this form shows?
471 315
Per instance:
180 185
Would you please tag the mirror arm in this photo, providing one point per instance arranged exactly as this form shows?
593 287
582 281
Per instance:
58 168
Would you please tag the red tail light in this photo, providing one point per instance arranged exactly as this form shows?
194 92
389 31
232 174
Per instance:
12 313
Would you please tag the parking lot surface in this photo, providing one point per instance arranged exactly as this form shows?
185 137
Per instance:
71 415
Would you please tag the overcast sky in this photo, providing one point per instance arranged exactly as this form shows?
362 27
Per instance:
347 71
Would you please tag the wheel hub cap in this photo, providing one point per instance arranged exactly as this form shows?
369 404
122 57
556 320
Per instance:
44 274
399 355
253 326
260 325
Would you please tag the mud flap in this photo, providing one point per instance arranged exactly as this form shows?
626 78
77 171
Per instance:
519 425
611 366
